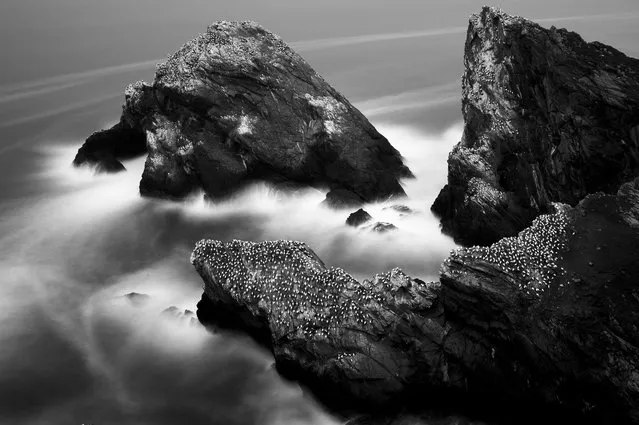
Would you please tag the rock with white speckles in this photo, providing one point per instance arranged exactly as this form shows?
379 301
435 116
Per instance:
235 104
561 317
524 329
548 118
348 341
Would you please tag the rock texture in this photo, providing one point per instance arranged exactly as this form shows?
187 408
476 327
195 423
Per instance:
548 118
541 326
338 335
552 315
105 149
358 218
237 103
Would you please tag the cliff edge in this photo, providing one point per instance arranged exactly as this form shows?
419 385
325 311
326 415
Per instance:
548 118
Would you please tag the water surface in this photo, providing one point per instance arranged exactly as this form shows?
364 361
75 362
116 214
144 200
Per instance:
73 349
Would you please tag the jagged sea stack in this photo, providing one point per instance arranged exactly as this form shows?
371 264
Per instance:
548 117
237 103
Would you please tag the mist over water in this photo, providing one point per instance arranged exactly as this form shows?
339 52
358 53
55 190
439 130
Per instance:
77 350
73 349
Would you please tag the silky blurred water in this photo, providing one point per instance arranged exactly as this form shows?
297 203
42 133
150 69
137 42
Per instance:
73 350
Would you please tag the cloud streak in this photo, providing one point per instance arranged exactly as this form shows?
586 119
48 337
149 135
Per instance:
59 110
42 87
46 85
415 99
74 76
327 43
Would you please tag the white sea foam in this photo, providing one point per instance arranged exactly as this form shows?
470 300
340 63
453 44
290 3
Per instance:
71 253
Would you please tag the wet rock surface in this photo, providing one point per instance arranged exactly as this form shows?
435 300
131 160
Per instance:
358 218
236 104
548 118
541 326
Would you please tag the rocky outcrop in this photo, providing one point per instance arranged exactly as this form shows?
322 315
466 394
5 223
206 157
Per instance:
548 118
552 315
358 218
236 104
346 338
541 326
105 149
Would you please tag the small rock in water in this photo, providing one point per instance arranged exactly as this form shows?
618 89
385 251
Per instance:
401 209
187 316
172 311
383 227
136 299
358 218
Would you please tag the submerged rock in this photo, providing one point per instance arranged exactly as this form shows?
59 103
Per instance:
553 314
541 326
403 210
548 118
383 227
237 103
358 218
186 317
136 299
361 217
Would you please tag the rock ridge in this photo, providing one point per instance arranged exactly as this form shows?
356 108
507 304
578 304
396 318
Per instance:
548 118
237 104
539 326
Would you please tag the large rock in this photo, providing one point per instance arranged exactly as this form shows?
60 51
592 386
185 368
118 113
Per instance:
237 103
541 326
548 118
346 339
552 315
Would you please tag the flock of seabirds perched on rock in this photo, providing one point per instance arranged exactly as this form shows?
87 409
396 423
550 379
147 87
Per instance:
536 316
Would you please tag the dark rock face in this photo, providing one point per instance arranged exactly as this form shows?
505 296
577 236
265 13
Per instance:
105 149
556 308
236 104
541 326
358 218
548 118
325 328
